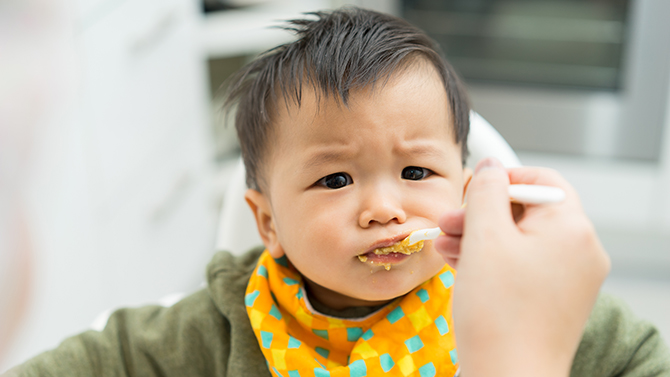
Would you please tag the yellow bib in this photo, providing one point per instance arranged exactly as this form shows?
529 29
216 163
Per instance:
411 336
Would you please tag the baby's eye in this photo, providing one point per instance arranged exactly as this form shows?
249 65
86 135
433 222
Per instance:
415 173
335 181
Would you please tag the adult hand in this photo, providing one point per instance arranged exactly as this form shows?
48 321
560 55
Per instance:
524 288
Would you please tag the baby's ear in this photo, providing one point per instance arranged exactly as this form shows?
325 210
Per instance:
260 207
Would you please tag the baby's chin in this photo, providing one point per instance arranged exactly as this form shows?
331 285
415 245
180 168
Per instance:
366 294
382 285
385 292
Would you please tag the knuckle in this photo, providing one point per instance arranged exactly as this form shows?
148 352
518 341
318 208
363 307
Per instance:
608 264
488 178
587 242
582 230
552 173
555 178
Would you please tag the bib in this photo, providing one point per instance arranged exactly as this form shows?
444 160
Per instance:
410 336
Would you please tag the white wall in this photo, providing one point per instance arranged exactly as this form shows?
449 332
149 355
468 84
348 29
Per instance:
621 195
121 204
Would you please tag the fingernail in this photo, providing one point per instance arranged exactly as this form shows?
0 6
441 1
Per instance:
488 163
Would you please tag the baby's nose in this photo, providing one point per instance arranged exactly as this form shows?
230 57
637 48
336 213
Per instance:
383 207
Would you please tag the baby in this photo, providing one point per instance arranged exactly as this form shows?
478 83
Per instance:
352 136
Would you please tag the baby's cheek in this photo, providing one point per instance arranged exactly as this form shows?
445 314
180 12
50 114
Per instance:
437 208
437 199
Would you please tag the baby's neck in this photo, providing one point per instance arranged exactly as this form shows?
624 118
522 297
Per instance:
335 304
348 313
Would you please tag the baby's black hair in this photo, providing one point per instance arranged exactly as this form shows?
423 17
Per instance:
336 51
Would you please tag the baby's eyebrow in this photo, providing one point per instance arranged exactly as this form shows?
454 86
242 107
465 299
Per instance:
421 150
325 157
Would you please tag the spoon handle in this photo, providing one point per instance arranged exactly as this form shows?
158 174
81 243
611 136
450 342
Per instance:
523 194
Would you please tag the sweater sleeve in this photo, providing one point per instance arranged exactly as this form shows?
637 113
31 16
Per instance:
615 343
189 338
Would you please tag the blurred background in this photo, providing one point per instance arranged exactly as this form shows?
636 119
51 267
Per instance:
128 159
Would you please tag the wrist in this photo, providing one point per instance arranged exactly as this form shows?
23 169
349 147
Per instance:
514 361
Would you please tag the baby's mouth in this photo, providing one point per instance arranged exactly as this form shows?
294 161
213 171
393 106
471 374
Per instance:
388 255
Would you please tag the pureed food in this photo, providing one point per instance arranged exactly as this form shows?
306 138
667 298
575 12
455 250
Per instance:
402 247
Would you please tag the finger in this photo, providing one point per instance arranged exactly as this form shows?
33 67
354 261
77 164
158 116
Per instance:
452 262
537 176
488 199
449 247
545 177
451 222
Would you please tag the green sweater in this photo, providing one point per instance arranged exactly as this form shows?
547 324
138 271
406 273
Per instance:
209 334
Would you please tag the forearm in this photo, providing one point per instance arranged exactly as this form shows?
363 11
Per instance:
114 351
88 354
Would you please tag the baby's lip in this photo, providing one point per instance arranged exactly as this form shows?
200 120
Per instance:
386 242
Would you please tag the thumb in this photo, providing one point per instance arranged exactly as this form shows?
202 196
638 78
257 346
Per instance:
488 203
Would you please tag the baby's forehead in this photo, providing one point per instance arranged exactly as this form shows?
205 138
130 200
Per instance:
294 93
407 113
313 102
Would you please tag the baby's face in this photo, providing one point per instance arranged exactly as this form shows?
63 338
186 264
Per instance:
344 181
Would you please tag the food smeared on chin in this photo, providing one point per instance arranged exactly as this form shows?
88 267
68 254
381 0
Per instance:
402 247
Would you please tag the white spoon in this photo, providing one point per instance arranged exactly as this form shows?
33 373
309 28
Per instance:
523 194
